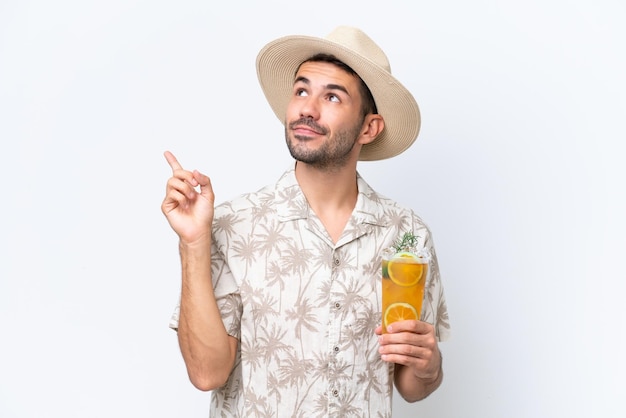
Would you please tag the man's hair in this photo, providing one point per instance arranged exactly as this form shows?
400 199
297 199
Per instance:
369 105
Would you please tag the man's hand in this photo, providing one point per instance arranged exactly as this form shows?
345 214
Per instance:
412 345
188 211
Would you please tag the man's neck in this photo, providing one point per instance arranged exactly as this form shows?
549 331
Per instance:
332 194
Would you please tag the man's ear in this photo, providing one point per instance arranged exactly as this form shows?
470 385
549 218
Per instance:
373 125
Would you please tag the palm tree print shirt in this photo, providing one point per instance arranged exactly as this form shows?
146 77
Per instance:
303 308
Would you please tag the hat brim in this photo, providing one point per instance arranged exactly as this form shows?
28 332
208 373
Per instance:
276 67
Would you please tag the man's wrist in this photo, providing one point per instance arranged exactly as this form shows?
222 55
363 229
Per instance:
199 244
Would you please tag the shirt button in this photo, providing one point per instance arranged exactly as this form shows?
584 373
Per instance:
336 261
335 393
337 305
336 349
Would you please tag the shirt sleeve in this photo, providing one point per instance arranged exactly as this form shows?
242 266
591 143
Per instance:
227 295
435 308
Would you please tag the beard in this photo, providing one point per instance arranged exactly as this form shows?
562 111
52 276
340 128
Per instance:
332 154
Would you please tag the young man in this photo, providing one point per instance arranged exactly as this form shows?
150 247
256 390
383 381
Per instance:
280 307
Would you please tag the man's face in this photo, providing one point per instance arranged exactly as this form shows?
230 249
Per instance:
324 120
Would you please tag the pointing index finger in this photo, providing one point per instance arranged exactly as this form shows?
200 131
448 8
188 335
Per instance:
172 161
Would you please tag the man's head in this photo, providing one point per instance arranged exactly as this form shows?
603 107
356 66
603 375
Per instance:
329 117
354 52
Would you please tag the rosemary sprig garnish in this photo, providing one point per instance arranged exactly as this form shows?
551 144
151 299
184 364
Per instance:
408 242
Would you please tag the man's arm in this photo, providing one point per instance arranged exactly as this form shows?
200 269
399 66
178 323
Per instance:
208 351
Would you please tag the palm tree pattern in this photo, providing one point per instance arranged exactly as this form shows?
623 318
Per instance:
304 308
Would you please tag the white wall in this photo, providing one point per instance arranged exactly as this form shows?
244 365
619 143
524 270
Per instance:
519 168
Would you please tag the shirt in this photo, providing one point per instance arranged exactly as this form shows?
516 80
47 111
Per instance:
303 308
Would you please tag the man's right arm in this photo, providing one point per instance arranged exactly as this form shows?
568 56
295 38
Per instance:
208 351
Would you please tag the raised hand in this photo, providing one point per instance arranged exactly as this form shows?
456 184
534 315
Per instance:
189 201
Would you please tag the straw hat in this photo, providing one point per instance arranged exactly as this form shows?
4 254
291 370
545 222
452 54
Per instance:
278 61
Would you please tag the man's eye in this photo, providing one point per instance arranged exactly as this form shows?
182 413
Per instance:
333 98
300 92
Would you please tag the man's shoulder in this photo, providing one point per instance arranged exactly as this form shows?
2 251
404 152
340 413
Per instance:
247 200
254 200
381 199
388 207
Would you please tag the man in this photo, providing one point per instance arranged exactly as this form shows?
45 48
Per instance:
280 307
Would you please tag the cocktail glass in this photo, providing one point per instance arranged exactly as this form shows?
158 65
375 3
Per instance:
404 276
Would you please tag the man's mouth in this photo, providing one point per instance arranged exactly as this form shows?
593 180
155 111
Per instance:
306 127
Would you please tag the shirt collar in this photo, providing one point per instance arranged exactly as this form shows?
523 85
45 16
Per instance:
291 203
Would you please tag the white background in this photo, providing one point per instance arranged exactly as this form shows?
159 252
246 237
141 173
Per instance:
518 171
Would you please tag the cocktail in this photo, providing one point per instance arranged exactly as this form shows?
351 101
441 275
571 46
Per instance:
404 273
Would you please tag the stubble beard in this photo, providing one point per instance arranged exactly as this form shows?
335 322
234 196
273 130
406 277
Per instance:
331 155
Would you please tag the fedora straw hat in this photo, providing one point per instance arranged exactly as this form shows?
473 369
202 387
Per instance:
278 61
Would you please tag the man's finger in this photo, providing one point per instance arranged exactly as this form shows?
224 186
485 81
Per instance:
172 161
206 189
410 325
201 179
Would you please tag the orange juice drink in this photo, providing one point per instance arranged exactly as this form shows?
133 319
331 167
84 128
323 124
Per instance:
404 276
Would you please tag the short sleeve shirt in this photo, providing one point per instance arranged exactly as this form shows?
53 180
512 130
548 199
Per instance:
303 308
